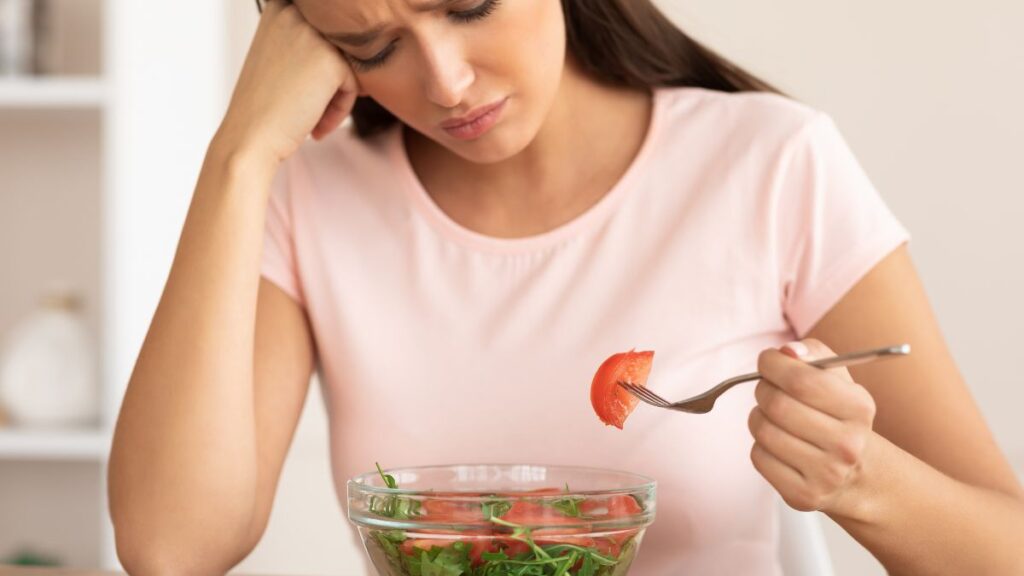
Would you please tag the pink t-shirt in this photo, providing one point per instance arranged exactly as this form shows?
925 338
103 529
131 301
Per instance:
741 222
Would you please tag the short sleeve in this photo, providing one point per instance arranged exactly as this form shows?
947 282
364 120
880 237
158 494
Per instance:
833 226
279 263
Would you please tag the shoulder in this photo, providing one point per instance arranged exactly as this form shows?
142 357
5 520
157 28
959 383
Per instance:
340 174
341 161
736 118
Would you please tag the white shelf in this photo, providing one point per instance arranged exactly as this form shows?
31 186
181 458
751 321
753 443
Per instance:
52 92
58 445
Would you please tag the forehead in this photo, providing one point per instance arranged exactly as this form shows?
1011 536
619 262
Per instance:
358 15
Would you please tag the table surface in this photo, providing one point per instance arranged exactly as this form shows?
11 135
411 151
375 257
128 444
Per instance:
25 571
7 570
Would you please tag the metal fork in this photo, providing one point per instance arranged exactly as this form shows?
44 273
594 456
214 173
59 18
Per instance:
705 401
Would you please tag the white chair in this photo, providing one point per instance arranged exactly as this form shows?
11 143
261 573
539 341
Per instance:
802 547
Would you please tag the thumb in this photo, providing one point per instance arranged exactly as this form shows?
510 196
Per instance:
810 349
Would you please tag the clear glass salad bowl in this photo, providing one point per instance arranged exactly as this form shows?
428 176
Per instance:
501 519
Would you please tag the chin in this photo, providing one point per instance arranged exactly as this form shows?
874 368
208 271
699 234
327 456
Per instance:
496 146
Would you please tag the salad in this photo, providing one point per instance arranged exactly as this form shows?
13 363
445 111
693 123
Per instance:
532 533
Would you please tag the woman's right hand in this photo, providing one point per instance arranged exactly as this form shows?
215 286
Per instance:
294 83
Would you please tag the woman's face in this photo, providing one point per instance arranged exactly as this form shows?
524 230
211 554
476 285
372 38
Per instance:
432 62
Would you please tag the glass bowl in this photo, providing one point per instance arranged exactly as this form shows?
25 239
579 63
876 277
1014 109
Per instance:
498 519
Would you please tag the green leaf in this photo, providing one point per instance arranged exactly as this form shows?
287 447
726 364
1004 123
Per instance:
495 508
393 506
446 561
570 505
389 480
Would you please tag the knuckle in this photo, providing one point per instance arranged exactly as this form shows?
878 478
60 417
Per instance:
812 499
777 407
757 456
766 434
866 405
803 384
834 474
762 391
803 499
752 420
848 448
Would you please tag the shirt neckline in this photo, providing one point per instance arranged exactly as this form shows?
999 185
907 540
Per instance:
589 219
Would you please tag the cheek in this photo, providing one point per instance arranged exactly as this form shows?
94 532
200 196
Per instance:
396 88
535 39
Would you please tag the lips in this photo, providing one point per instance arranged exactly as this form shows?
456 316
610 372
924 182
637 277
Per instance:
475 114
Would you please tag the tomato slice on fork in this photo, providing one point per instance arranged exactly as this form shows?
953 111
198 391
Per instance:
611 402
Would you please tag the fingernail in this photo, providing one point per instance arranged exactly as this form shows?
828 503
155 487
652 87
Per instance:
799 349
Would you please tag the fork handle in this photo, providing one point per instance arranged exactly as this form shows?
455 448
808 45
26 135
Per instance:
851 359
863 357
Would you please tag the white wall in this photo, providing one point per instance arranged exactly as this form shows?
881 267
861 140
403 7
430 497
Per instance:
929 96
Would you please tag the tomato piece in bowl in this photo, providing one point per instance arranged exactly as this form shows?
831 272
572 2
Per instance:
536 514
450 511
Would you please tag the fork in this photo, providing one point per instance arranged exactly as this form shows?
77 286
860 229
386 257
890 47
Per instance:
703 403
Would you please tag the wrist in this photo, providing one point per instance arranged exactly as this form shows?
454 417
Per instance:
236 156
862 497
229 146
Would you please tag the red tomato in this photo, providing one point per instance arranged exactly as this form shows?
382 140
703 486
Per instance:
611 402
534 492
451 511
536 514
548 536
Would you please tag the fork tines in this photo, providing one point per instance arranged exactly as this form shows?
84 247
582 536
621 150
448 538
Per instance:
644 394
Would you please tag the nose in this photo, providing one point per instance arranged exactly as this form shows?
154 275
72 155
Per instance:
447 74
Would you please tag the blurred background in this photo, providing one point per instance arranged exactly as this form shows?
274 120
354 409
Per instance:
106 107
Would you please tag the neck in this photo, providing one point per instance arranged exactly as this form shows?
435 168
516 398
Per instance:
589 138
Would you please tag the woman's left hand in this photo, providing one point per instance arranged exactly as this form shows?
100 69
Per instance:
811 427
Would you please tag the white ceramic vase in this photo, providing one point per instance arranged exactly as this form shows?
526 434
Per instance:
48 370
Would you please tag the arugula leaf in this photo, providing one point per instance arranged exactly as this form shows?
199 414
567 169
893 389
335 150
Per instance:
446 561
495 508
393 506
389 480
388 541
570 505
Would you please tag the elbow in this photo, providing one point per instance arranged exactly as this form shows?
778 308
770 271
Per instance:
147 546
141 558
162 557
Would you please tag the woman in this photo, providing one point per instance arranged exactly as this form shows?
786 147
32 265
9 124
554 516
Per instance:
532 186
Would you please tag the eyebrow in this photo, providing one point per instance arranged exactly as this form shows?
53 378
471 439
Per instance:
371 34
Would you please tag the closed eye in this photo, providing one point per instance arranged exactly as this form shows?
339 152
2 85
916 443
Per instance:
480 12
483 10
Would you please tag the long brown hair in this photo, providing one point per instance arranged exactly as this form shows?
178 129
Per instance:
621 43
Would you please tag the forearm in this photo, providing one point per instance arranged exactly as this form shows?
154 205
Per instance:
183 465
917 520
